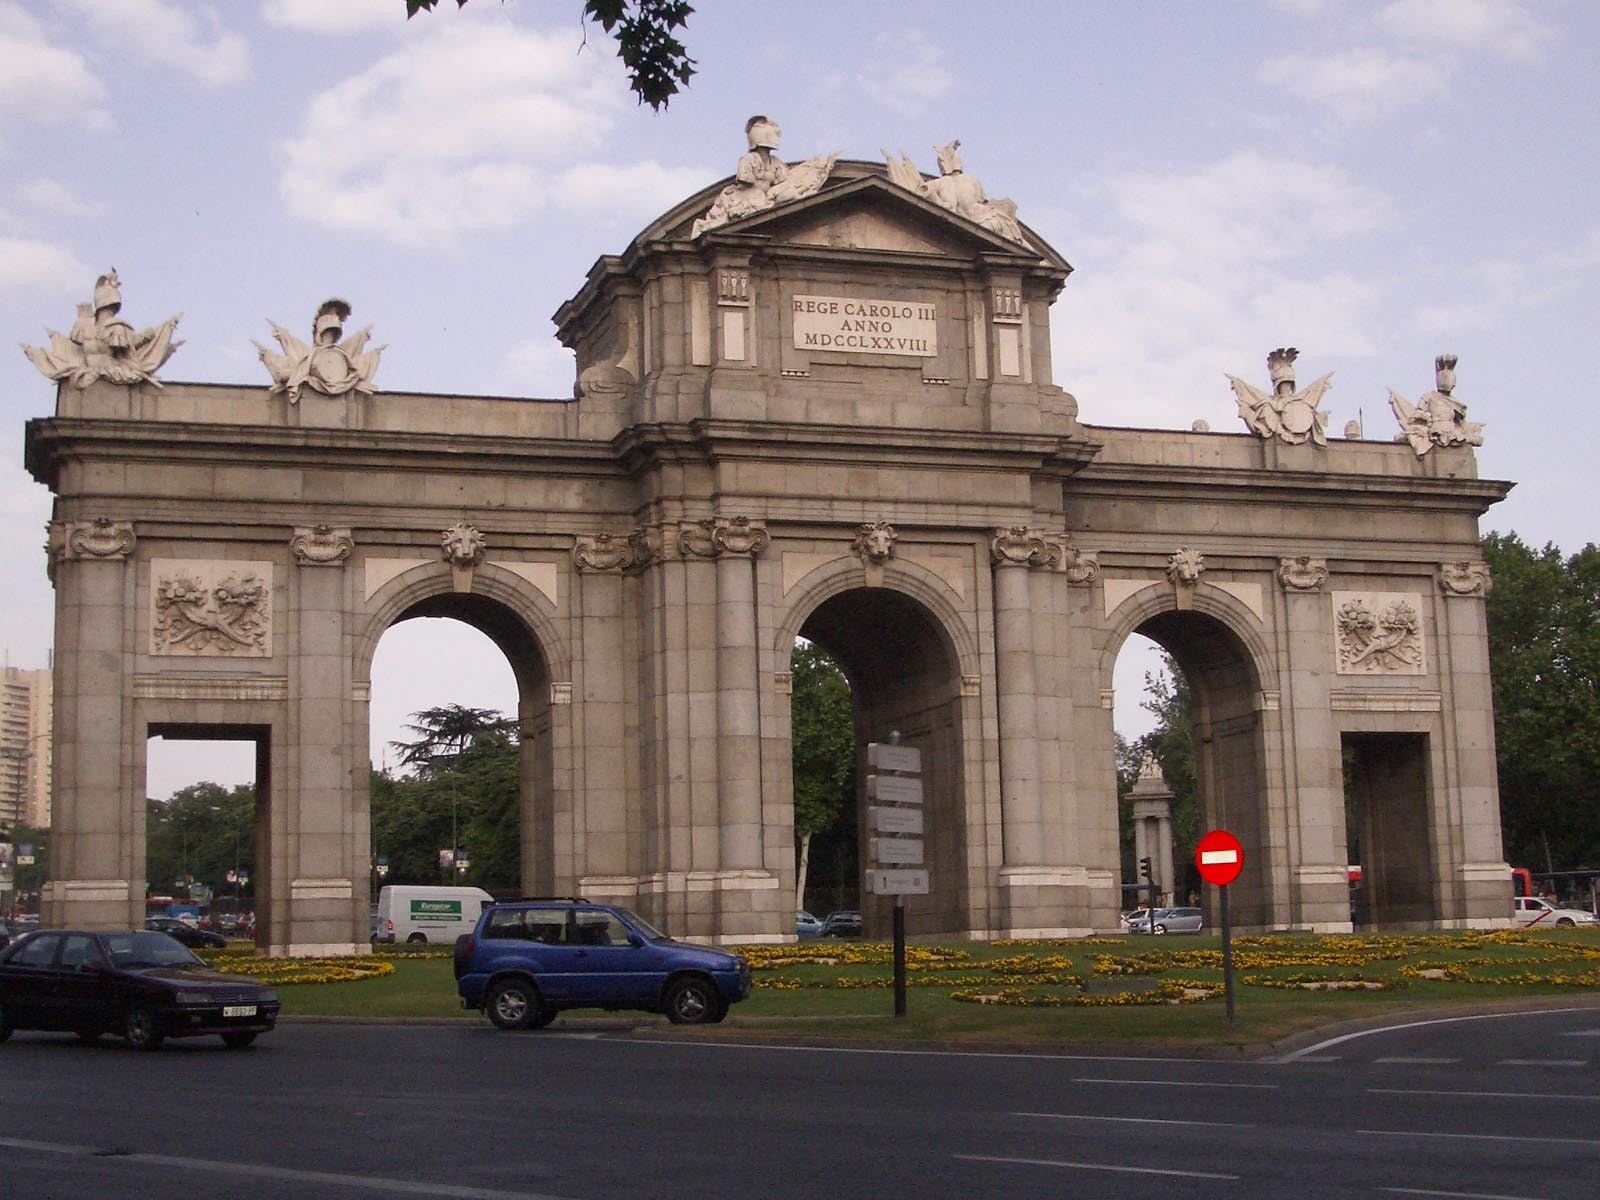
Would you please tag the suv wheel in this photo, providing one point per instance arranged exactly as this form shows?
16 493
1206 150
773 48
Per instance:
514 1004
1161 928
693 1002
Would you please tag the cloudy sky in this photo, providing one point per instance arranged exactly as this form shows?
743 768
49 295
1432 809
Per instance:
1373 181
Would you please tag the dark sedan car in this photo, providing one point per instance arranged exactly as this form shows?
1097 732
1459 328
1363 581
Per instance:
139 984
842 924
191 936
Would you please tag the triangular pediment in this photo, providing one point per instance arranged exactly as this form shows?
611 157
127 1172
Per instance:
859 209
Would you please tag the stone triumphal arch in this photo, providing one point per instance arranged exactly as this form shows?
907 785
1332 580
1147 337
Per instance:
814 400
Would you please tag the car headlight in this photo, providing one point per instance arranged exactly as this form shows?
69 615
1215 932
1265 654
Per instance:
189 998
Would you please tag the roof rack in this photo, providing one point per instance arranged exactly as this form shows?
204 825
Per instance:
536 899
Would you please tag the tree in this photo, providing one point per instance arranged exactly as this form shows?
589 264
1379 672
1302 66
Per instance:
1544 653
824 751
197 836
658 63
465 793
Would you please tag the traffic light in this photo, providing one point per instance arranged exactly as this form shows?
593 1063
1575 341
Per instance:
1144 867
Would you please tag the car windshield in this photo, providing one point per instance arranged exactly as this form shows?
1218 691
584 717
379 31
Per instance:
148 950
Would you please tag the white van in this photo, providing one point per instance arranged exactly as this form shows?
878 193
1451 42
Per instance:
427 914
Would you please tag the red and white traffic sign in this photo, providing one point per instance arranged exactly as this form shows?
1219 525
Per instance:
1219 857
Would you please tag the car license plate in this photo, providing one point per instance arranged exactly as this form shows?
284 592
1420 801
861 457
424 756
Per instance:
239 1010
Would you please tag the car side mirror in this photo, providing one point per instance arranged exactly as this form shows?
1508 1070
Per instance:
635 940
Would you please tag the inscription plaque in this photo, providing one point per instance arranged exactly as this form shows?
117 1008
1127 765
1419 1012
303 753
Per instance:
852 324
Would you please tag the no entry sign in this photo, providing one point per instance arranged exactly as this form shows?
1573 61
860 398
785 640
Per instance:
1219 857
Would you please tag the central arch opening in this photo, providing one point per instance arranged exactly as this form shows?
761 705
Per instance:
461 789
904 678
1224 756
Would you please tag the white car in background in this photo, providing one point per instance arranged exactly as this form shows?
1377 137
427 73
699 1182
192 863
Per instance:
1532 911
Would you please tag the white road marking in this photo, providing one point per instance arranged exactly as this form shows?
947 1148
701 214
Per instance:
1421 1062
1265 1087
405 1187
1582 1033
1543 1062
1482 1095
1088 1166
1303 1055
1459 1195
1478 1137
1132 1120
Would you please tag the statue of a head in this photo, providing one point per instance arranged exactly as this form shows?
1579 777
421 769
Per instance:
949 157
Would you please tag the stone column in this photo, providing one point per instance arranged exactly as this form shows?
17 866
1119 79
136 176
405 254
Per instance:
325 865
738 710
97 853
1013 551
1481 871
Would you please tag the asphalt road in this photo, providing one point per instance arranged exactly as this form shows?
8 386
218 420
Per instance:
1507 1106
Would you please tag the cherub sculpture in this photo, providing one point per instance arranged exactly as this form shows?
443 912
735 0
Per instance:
1286 414
101 345
1438 419
328 365
956 190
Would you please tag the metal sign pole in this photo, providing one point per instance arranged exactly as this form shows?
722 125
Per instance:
899 956
1227 955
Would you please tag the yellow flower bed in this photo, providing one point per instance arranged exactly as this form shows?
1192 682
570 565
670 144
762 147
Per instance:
280 972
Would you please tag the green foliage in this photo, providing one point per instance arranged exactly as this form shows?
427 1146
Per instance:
467 781
28 879
824 745
1544 652
658 63
1174 744
200 834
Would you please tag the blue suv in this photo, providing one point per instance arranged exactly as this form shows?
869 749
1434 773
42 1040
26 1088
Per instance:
526 960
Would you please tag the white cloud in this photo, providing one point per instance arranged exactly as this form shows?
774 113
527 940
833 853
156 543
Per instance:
335 16
638 187
1503 27
542 367
41 83
26 263
167 33
907 74
475 125
1357 84
1202 273
55 198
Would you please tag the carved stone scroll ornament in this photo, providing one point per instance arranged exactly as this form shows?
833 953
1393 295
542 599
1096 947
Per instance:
1186 566
1019 546
329 365
211 609
1080 566
1286 414
740 535
321 545
1302 573
961 193
612 551
99 538
1465 579
1438 419
1378 636
762 179
101 345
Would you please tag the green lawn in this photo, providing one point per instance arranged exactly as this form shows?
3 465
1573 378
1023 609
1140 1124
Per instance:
1108 991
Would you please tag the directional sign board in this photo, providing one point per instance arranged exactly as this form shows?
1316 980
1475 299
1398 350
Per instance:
894 820
897 883
1219 857
897 850
894 789
887 756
